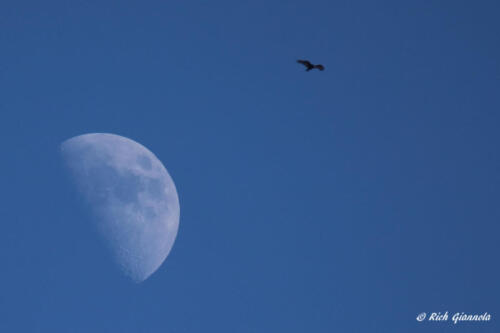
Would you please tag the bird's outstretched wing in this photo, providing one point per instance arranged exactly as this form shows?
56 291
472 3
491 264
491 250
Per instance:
306 63
320 67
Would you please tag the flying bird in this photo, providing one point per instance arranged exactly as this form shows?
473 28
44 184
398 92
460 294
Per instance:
310 66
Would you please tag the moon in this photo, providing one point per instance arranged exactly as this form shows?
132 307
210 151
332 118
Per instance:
131 195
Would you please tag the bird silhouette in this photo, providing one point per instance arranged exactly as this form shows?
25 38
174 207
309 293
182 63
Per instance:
310 66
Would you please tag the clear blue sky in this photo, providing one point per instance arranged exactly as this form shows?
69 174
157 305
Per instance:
348 200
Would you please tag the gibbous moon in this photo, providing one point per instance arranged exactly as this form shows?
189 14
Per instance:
131 195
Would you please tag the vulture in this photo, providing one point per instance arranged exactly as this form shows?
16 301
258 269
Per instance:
310 66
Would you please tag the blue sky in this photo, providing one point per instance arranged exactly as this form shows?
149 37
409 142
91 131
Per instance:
348 200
